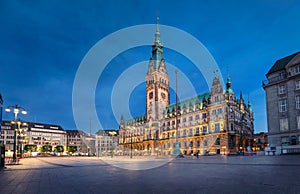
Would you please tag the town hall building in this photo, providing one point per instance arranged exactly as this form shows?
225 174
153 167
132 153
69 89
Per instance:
216 122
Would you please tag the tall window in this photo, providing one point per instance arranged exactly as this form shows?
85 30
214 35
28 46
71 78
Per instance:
203 115
282 105
197 130
298 122
198 143
216 98
217 141
285 141
284 125
196 117
220 111
205 143
191 144
217 127
297 102
297 84
213 112
204 129
281 89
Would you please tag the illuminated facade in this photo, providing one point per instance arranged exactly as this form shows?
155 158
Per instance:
213 122
106 142
33 133
84 142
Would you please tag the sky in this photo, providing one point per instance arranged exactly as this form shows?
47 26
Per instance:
43 44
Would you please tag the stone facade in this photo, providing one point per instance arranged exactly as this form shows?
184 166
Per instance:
84 142
107 143
213 122
260 141
283 103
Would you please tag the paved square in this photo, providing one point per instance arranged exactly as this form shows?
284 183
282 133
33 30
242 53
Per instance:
207 174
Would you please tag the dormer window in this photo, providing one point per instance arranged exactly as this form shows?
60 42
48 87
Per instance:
282 75
297 70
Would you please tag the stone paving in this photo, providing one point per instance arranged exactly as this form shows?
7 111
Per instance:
207 174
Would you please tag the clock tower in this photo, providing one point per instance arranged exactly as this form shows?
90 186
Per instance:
157 82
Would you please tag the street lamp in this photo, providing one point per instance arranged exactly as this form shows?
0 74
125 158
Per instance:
20 132
130 144
16 110
254 140
112 133
177 151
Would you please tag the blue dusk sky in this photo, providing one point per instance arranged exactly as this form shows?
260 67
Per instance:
44 42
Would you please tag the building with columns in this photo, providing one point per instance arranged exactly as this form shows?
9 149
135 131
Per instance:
213 122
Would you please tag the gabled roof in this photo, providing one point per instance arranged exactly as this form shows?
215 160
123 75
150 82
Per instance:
281 63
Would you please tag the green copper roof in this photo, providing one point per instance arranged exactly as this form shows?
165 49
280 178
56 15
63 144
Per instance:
281 63
187 102
229 91
136 119
228 86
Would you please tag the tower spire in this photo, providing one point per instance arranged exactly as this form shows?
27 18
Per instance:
157 30
249 104
157 34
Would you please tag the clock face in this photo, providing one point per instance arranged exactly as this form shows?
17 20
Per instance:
163 95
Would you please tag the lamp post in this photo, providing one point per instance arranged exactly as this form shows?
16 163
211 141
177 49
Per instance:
177 151
130 144
254 141
16 110
112 134
20 133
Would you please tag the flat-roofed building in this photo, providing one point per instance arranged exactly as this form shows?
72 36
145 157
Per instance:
33 133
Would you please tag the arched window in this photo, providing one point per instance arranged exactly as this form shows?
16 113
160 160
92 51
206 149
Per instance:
198 143
218 141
